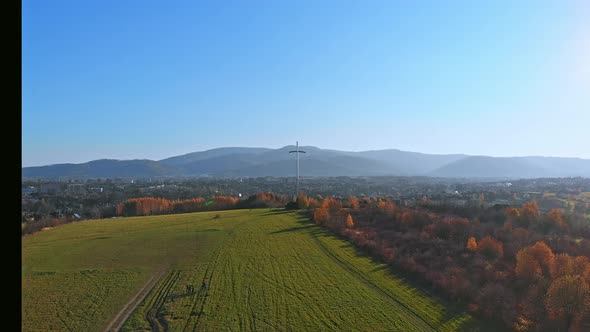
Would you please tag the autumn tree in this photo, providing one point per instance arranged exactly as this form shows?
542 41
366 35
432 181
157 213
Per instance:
187 205
561 265
143 206
320 216
543 254
349 221
490 247
582 266
520 237
509 280
313 203
332 205
472 244
530 212
512 213
534 261
555 219
153 205
302 201
442 229
567 297
459 227
527 267
386 208
226 202
492 299
353 202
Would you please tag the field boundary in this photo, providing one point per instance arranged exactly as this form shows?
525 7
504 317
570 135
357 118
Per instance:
368 282
117 322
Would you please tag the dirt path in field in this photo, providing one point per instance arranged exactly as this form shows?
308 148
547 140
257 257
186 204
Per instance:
117 322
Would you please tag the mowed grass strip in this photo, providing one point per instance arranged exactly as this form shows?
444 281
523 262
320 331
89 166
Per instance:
266 271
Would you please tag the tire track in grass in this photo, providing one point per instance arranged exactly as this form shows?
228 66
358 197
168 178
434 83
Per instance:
366 281
117 322
154 314
279 295
205 295
282 290
159 314
249 303
151 301
201 296
331 319
101 296
279 277
268 281
305 244
67 326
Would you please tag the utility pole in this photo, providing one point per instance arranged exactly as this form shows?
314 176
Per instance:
297 152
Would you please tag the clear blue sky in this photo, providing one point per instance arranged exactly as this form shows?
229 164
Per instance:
152 79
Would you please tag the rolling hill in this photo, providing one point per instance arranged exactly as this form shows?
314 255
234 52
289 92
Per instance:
265 271
489 166
238 161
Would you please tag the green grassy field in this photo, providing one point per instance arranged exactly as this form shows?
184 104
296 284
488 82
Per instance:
266 270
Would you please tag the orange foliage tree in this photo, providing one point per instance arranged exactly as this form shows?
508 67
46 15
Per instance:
332 205
320 216
490 247
302 201
349 221
512 215
561 265
582 267
556 219
386 208
472 244
534 261
313 203
512 212
543 254
151 205
187 205
353 202
567 297
143 206
527 266
530 212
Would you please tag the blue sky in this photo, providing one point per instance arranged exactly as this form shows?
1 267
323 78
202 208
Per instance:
153 79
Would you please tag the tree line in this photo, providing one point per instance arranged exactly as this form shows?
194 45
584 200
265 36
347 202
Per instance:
527 269
144 206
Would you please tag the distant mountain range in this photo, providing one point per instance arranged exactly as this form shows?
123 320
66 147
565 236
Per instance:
234 162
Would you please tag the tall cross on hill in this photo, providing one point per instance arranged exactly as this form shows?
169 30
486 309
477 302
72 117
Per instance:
297 152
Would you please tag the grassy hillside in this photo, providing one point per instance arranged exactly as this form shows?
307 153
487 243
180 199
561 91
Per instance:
265 271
